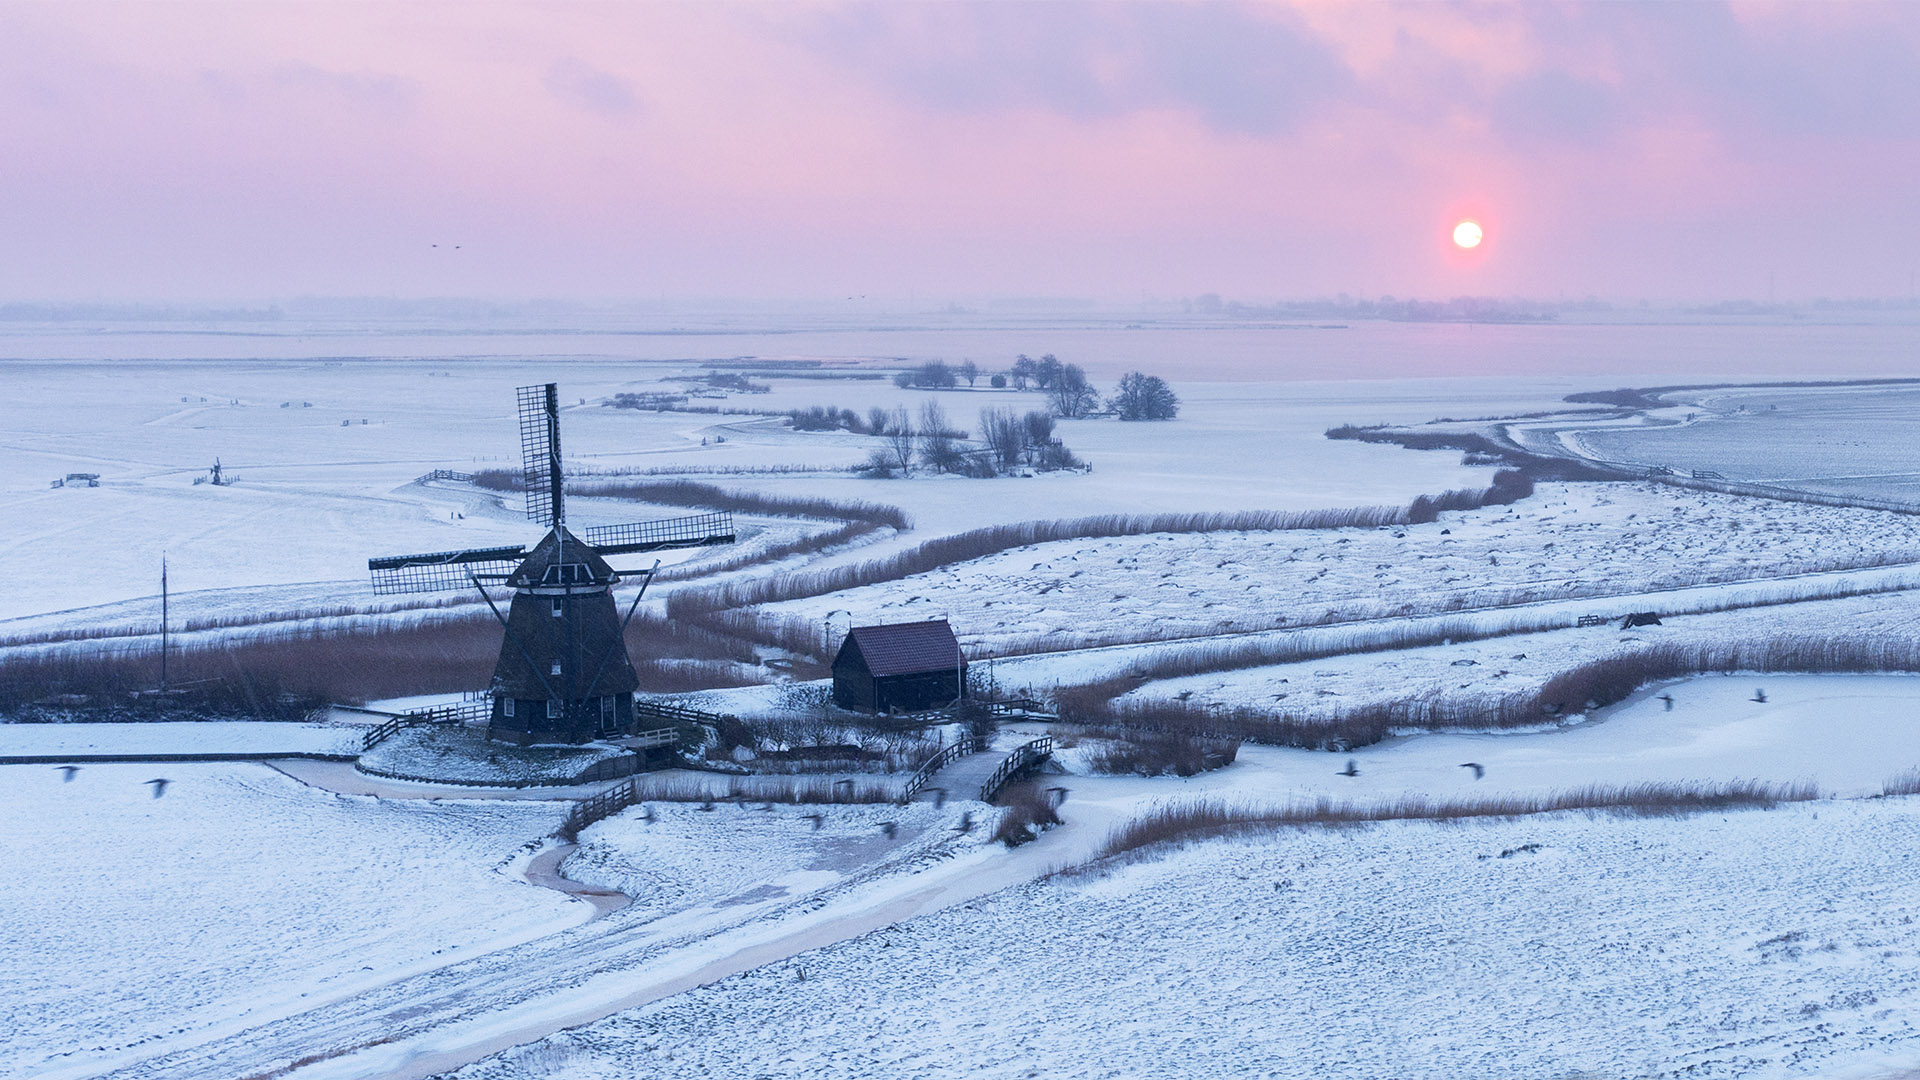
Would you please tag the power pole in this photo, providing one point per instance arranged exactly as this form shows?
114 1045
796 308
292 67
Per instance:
163 621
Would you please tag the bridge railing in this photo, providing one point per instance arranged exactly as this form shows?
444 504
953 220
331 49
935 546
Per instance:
1024 757
961 747
444 474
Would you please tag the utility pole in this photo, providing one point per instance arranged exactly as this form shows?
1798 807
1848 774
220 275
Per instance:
163 621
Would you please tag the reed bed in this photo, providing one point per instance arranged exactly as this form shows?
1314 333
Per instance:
1187 822
745 790
992 540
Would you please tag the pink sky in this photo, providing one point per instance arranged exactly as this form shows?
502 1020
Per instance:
1115 151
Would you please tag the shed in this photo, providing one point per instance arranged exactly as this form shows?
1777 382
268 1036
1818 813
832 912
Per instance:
904 667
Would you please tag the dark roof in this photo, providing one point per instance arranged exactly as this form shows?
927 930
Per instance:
547 565
907 648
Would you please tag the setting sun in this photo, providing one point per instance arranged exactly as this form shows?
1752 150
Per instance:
1467 234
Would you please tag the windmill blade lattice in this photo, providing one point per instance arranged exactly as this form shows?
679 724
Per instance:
700 530
540 452
439 571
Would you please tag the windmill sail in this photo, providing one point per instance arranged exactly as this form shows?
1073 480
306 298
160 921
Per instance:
438 571
540 453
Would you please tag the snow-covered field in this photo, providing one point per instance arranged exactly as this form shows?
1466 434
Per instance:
239 896
81 741
1752 944
1569 540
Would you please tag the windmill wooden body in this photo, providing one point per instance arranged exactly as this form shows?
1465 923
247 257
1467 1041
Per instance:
563 674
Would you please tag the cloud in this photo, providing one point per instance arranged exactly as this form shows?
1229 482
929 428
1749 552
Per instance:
1240 69
580 84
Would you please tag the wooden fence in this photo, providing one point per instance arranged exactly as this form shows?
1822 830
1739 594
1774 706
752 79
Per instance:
445 474
1024 757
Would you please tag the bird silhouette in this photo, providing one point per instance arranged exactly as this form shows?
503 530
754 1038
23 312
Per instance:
1056 796
67 772
1479 770
816 819
1759 695
939 797
646 813
708 805
1668 698
889 828
966 822
764 806
1352 769
159 786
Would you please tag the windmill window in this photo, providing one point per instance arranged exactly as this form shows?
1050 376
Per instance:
506 708
558 607
555 668
553 710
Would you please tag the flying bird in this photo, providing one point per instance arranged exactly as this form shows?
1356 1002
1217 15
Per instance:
159 786
67 772
1056 796
646 813
889 828
939 797
966 822
1759 695
1479 770
816 819
1668 698
1352 769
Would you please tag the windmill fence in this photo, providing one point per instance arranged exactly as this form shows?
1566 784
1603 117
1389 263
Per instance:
1025 758
445 474
467 711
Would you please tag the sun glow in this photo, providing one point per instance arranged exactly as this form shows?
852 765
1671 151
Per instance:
1467 234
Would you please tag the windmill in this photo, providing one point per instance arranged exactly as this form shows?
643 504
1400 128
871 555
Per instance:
563 673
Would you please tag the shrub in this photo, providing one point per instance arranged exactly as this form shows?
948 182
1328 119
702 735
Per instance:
1028 812
998 382
1161 754
1144 397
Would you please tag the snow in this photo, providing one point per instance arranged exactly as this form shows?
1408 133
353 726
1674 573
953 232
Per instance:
135 922
1751 944
1569 540
169 738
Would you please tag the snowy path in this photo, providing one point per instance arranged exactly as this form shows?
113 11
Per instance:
438 1020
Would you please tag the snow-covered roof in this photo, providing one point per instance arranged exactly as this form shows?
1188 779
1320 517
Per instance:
907 648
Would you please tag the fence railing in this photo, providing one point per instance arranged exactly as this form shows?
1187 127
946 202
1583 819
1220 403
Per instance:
606 804
961 747
646 740
1024 757
677 714
454 712
444 474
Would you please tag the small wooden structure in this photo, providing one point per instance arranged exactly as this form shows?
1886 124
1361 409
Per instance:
904 667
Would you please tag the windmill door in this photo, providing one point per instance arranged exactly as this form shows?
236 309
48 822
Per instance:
609 717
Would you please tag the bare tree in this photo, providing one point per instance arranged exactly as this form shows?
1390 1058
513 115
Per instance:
1070 394
877 420
1004 434
1144 397
933 421
1022 371
969 371
1047 372
899 435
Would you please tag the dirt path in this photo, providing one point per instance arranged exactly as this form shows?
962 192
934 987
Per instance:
544 871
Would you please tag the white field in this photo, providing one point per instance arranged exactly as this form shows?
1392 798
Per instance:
1568 541
178 738
239 896
1754 944
313 500
1773 943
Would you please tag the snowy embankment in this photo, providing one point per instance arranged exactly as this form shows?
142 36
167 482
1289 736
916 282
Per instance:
1473 669
213 739
1750 944
1568 542
235 897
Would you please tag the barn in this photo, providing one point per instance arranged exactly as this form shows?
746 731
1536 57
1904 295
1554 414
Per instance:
903 667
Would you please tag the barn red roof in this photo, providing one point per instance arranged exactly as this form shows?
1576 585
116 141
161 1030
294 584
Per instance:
908 648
